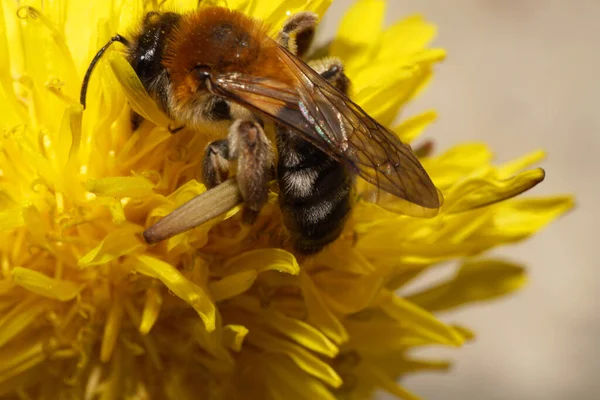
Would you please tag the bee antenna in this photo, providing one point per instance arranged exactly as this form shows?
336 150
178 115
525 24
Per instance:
86 78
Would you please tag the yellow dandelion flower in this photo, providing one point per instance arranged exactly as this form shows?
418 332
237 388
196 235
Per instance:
88 310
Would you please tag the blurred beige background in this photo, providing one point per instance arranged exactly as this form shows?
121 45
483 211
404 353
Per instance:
520 75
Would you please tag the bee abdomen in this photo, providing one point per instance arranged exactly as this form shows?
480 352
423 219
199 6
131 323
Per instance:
314 192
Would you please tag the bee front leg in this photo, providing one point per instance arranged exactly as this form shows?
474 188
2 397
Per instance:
249 144
298 32
215 166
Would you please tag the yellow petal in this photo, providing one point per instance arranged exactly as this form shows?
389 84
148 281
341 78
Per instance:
120 186
366 17
69 134
22 356
279 14
284 383
139 99
300 356
411 315
414 365
466 333
116 244
274 13
238 5
149 346
36 225
232 285
377 378
151 311
347 293
300 332
140 147
410 129
20 317
481 192
396 85
342 256
520 218
457 162
43 285
189 5
188 291
234 335
319 314
515 166
13 114
408 36
11 219
263 260
478 280
112 328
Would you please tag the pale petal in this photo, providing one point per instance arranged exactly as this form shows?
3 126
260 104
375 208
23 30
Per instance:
480 192
43 285
264 260
412 128
152 306
136 93
300 332
411 315
478 280
120 186
366 17
285 383
300 356
374 375
232 285
182 287
116 244
20 317
234 335
319 315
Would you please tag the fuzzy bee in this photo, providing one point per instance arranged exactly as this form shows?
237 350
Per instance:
214 65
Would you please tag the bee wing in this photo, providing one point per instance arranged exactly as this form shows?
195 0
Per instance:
327 118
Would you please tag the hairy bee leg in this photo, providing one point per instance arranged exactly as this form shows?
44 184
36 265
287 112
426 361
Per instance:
252 149
136 120
332 69
298 32
215 165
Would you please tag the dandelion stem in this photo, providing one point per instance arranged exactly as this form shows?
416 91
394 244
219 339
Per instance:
198 210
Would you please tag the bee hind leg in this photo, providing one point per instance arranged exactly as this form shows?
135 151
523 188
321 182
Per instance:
298 32
249 144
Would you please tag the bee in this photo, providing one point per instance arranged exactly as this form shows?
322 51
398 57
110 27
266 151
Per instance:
215 65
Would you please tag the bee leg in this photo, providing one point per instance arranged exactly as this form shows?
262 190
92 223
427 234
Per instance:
215 166
249 144
176 129
136 120
298 32
332 69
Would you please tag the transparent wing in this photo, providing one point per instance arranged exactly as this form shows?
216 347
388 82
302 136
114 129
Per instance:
327 118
